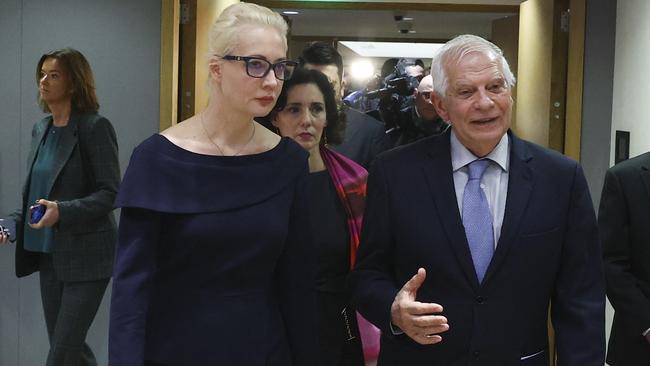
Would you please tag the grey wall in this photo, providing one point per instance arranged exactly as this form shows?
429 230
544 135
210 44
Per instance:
600 37
630 109
121 39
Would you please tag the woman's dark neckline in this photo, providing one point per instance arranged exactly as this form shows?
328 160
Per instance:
279 146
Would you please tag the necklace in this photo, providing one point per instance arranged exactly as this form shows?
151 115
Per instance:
219 148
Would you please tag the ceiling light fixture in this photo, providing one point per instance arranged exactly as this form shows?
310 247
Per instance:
405 27
403 22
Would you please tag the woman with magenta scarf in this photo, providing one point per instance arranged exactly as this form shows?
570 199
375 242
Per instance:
307 112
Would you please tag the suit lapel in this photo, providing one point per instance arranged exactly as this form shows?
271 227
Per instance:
67 144
438 173
520 186
37 141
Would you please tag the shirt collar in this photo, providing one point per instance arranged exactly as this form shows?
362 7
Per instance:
461 156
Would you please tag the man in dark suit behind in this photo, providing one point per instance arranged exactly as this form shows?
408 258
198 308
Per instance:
469 236
419 120
365 136
624 221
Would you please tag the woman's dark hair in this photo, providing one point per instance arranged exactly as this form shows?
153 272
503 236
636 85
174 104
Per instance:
333 133
79 76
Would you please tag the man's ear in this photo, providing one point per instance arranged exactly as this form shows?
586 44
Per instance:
215 70
440 106
342 90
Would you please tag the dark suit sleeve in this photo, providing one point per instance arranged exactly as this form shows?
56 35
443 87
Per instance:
98 145
623 287
295 279
26 262
134 270
380 143
18 214
578 303
372 280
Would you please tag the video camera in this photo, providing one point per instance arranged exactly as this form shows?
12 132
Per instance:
395 94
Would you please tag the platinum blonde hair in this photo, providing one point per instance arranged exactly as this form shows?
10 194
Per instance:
454 51
225 30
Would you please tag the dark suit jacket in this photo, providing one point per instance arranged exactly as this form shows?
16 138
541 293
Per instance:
413 127
548 252
85 183
624 219
364 138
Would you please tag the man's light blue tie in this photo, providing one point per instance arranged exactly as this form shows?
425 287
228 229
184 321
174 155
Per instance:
477 219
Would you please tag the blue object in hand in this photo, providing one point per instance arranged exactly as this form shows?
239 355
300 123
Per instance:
36 213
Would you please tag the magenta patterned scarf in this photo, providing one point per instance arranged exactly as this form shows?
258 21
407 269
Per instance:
350 181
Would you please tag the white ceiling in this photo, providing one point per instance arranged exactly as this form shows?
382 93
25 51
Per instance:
390 49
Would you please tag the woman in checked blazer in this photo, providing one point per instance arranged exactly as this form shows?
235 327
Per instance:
73 173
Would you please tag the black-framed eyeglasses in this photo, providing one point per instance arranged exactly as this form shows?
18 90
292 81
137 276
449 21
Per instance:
258 67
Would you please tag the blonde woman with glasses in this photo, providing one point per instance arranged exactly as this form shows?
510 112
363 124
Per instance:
212 264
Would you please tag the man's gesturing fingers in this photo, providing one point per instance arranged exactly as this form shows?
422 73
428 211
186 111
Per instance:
417 319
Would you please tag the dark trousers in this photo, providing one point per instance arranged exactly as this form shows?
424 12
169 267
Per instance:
70 308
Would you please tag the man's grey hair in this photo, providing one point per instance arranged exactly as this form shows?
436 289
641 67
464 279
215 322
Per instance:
453 52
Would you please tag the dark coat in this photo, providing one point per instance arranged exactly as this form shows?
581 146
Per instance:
85 181
624 220
413 127
548 252
364 138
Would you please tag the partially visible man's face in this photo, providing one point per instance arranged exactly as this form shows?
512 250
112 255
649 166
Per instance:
423 102
415 71
478 102
332 73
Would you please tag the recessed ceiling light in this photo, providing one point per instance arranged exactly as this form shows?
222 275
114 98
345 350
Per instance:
290 12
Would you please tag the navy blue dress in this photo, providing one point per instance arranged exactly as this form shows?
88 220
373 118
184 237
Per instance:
214 263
